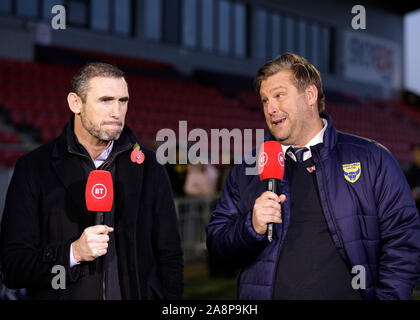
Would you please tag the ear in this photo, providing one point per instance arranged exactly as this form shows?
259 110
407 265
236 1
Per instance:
311 93
74 102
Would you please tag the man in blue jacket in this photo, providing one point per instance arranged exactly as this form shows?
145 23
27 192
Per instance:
345 222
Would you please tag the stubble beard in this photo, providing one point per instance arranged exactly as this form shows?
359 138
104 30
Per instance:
97 132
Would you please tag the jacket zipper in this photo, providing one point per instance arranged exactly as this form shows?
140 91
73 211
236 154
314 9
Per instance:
107 163
328 202
103 287
283 236
329 212
81 154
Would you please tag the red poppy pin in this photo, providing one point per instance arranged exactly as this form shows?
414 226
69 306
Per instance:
137 156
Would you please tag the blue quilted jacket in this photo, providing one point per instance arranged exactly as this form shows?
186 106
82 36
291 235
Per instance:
371 216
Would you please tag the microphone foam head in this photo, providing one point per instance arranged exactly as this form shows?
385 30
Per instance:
99 192
271 161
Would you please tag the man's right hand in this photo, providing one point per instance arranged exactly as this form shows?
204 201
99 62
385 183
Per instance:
92 244
267 209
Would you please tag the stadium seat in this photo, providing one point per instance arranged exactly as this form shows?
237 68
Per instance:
35 94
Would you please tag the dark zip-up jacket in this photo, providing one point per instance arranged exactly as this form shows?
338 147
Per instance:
371 216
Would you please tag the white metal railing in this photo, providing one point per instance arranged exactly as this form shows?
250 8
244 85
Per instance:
193 216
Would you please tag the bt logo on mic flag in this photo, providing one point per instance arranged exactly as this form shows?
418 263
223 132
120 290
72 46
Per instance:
99 191
281 158
271 161
263 159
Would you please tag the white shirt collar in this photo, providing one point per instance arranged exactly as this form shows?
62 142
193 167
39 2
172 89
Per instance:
319 138
104 155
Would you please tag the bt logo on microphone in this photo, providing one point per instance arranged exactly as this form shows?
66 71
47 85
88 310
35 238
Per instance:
263 159
99 191
281 158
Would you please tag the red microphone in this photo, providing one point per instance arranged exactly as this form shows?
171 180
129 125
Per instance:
99 193
99 196
271 169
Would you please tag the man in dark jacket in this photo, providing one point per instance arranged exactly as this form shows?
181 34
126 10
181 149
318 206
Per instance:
46 222
345 222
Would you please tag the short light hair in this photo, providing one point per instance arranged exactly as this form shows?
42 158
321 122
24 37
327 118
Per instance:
304 74
79 83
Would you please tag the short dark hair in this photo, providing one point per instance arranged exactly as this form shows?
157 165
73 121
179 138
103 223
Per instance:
79 83
304 74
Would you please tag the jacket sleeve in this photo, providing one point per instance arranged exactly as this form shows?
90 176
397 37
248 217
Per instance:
399 261
230 234
25 262
167 238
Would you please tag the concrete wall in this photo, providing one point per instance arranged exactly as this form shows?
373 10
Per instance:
17 39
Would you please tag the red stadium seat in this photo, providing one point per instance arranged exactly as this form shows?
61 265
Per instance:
35 94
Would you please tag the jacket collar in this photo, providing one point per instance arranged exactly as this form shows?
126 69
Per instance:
67 165
330 139
68 142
